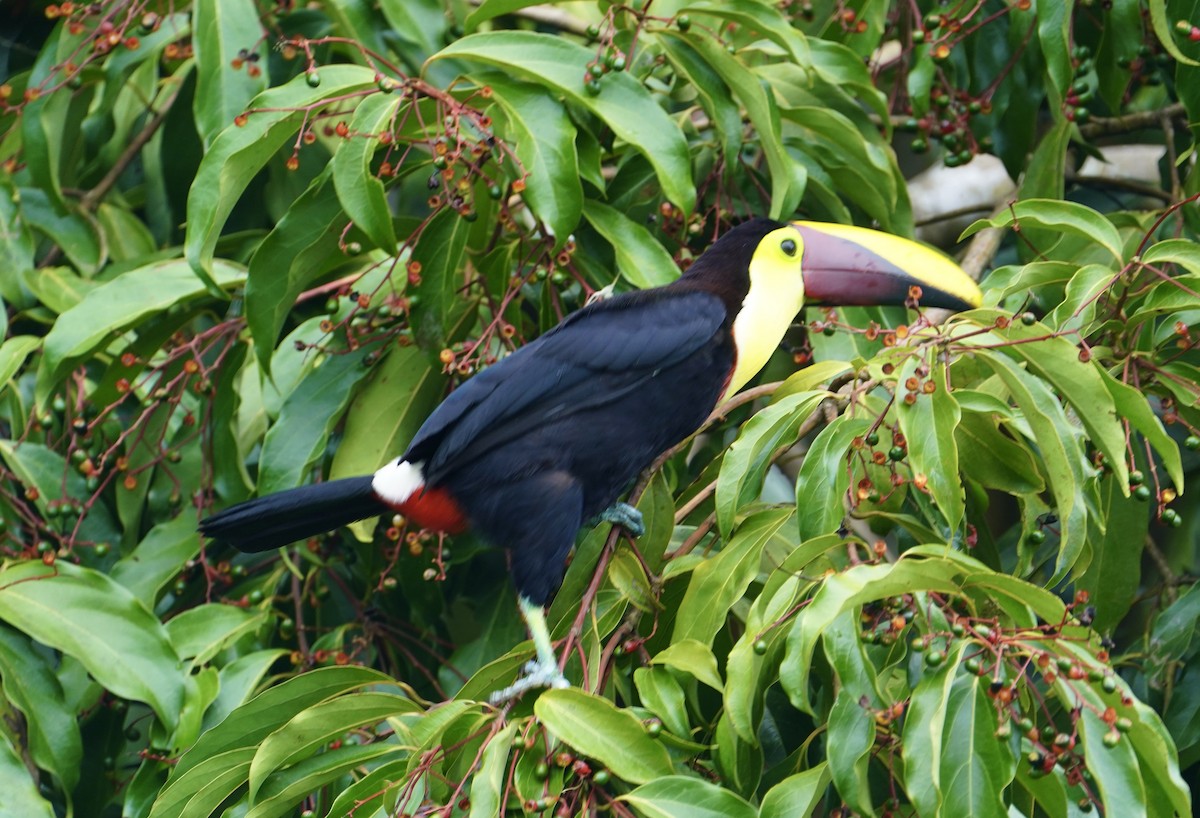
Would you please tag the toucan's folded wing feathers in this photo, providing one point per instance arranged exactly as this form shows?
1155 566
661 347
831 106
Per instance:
591 358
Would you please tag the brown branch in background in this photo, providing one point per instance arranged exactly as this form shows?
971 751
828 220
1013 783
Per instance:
1104 125
94 196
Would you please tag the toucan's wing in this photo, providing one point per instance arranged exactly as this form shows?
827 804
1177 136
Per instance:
593 357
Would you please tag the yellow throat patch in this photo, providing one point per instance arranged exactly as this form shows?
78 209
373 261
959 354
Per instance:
775 297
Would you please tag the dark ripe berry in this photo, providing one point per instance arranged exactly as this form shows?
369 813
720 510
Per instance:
1142 493
872 439
896 453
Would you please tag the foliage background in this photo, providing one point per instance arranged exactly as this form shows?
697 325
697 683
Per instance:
246 245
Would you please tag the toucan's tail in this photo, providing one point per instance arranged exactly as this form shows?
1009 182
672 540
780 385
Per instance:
278 519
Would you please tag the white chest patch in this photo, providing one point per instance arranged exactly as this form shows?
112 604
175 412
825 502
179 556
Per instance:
397 481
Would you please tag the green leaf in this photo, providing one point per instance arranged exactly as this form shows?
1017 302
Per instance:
543 137
721 581
796 796
997 461
746 462
210 782
313 728
851 736
237 681
359 190
692 657
1064 217
90 617
597 729
119 305
224 30
1114 572
43 469
1164 27
51 729
713 94
1131 405
155 563
787 183
13 354
488 783
199 633
824 477
841 592
239 153
623 103
682 796
924 733
248 725
1114 769
441 251
1060 451
302 246
976 766
309 414
929 424
661 694
1054 34
18 792
641 259
285 790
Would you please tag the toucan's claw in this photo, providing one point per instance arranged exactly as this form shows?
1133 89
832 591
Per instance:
625 515
537 674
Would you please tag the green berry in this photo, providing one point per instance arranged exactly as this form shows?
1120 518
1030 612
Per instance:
1136 478
593 87
934 658
255 597
600 777
1191 442
1109 684
1035 537
919 145
654 728
1142 493
917 644
313 79
760 647
896 453
1112 738
542 771
684 22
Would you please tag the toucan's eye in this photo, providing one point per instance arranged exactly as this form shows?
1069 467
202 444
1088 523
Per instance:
788 246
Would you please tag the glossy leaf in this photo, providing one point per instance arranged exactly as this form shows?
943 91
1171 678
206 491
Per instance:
682 796
86 615
224 31
360 192
929 424
824 477
851 736
641 259
238 153
797 796
114 307
1065 217
544 138
623 104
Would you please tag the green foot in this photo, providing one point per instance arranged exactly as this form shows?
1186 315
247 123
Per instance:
625 515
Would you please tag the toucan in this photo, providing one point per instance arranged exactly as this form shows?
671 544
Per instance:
545 440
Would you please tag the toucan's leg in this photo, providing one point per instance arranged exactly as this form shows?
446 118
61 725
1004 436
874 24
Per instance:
625 515
542 671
